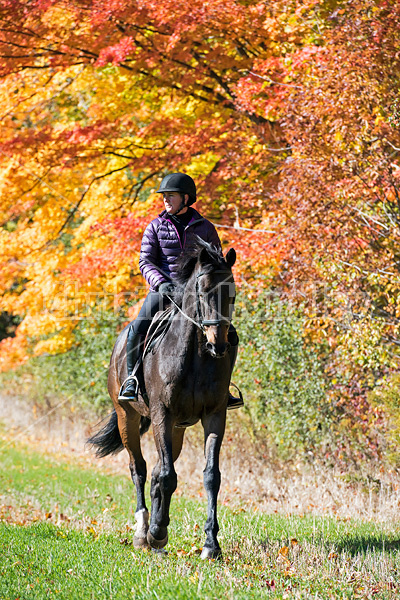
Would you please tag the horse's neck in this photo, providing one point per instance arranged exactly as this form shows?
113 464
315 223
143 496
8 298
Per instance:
189 301
189 308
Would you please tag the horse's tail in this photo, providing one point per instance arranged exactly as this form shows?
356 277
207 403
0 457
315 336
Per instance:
108 439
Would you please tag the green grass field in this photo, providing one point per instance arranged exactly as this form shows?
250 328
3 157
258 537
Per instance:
66 531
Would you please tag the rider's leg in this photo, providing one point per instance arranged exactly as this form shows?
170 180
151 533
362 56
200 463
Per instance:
134 348
233 339
135 342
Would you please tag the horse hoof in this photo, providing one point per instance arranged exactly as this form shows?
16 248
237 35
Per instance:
140 542
157 544
210 553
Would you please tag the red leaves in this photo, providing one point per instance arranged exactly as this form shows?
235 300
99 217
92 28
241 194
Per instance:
309 55
118 53
122 247
79 135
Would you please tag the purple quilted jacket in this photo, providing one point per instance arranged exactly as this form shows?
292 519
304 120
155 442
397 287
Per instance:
161 246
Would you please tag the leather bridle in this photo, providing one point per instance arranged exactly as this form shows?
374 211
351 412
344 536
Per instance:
202 323
208 322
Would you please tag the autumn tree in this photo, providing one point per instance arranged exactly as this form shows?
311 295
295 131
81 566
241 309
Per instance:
285 113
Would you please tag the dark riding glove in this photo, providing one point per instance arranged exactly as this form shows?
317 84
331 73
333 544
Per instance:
167 288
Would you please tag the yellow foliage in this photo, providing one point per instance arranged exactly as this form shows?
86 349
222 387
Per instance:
55 345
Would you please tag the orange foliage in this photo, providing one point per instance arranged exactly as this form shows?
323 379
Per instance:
13 352
284 112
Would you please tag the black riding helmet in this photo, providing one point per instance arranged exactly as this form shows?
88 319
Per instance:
179 182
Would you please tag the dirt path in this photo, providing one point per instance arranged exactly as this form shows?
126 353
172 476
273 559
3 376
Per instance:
246 480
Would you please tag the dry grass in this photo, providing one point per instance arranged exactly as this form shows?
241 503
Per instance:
247 480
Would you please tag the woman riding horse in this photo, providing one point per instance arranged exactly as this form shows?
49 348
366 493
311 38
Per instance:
187 375
172 233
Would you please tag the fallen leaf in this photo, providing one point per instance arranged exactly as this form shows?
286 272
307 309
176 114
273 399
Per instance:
61 534
284 551
93 532
194 578
125 542
269 584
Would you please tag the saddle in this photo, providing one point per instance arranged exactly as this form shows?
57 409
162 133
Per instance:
156 332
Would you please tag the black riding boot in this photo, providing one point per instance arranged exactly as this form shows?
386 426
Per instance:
233 401
134 347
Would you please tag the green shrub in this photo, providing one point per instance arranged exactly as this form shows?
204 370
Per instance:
291 402
385 400
79 374
281 375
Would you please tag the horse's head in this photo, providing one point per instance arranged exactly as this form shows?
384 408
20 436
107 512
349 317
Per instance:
215 297
208 292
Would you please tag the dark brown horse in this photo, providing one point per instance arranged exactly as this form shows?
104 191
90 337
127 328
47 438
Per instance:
187 379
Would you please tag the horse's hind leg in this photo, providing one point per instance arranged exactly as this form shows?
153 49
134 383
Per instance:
214 429
129 424
163 481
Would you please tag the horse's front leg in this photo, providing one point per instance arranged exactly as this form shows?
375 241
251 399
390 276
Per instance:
214 429
164 480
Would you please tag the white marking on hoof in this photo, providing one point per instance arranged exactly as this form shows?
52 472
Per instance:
209 554
141 528
157 544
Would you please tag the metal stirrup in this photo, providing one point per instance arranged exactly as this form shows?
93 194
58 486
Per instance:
121 396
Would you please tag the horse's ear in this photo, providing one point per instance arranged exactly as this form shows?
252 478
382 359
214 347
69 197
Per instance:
230 257
204 257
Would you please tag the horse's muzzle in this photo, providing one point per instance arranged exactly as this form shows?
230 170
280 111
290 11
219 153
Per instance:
218 350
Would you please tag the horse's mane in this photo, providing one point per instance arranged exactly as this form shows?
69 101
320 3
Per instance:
188 260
